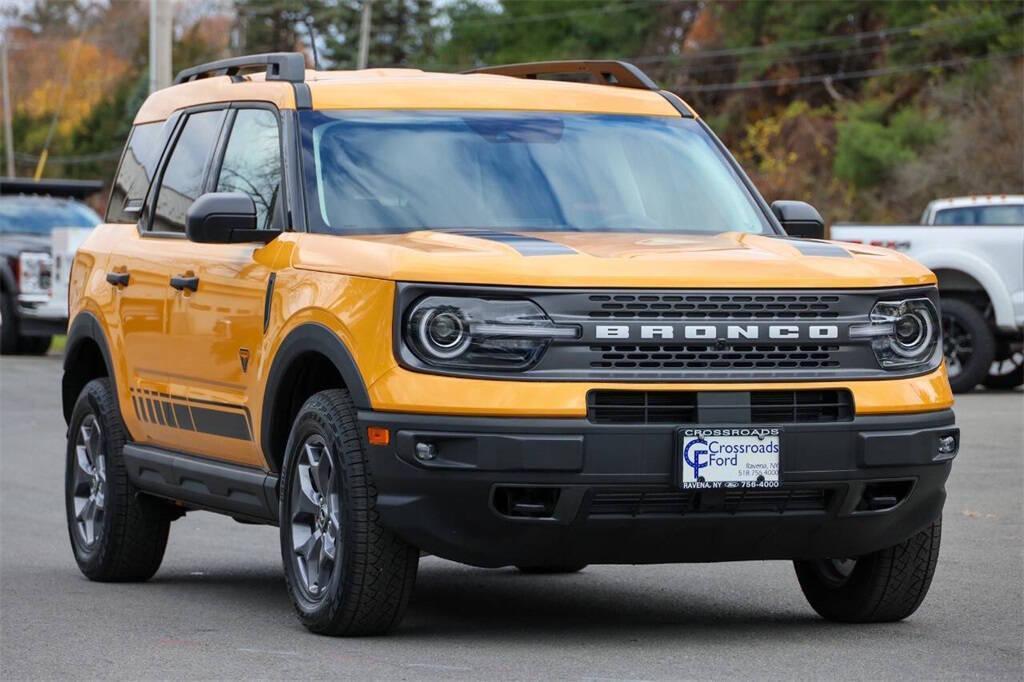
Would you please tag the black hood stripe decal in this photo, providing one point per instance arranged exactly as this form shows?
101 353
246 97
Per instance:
525 245
810 247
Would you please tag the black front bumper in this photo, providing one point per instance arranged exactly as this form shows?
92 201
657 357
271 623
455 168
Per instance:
563 491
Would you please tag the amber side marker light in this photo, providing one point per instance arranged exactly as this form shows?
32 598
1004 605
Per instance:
378 435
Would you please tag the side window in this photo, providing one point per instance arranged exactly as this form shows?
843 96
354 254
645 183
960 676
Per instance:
145 143
182 181
252 163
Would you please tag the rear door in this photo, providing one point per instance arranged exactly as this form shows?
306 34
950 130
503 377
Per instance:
150 256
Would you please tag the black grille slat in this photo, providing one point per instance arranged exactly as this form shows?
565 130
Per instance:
744 356
634 502
714 306
681 407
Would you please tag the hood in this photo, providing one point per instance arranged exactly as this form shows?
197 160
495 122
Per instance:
13 243
575 259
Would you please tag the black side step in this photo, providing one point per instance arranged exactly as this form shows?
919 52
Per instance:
242 492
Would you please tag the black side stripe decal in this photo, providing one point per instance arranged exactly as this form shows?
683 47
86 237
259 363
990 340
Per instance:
202 416
525 245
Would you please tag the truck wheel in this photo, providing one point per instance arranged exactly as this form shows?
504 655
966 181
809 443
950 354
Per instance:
116 535
968 344
34 345
1007 370
8 325
346 573
885 586
551 569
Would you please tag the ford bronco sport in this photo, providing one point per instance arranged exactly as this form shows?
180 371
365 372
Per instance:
496 317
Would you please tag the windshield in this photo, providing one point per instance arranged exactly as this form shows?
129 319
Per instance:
379 172
999 214
39 215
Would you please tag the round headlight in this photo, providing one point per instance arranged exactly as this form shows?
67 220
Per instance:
913 331
443 332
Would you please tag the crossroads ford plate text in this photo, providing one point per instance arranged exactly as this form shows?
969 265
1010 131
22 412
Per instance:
729 457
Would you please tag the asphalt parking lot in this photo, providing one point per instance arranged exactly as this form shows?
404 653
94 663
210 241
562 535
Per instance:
218 609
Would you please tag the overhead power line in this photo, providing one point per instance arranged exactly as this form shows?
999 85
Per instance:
812 42
845 76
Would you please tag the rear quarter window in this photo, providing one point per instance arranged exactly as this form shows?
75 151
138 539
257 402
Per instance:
138 164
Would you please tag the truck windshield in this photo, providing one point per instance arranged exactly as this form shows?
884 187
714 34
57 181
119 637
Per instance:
999 214
381 172
40 215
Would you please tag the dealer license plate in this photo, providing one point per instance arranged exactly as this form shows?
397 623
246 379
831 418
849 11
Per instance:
734 457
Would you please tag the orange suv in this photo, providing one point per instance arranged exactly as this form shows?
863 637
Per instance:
500 318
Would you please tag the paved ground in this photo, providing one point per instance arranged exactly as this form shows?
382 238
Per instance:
217 608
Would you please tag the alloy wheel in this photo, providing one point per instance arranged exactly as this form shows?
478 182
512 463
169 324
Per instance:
315 514
89 482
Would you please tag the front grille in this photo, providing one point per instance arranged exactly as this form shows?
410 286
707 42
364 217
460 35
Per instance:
697 306
635 502
678 356
682 407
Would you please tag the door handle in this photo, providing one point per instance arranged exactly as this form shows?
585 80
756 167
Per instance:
118 279
181 282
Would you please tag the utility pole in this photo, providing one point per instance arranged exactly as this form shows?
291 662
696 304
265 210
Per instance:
160 24
8 132
364 35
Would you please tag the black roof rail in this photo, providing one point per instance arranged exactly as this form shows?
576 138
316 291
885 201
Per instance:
70 189
604 71
281 66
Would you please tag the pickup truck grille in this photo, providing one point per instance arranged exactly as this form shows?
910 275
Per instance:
683 407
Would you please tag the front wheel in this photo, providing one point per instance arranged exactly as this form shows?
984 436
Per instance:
346 573
967 343
1007 370
882 587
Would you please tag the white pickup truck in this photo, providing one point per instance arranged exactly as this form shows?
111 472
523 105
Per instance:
975 245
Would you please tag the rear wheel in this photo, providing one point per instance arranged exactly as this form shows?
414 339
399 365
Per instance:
967 343
8 325
885 586
346 573
116 534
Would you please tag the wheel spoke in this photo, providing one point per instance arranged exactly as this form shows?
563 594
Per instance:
309 500
324 472
82 459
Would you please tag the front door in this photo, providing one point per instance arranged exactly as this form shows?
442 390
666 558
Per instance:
217 328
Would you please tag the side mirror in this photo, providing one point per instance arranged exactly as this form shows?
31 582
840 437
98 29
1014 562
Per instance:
225 218
799 219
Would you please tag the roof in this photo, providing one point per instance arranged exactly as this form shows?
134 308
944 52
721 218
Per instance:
411 89
976 200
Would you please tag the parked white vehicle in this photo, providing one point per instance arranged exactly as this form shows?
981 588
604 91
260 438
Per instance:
975 245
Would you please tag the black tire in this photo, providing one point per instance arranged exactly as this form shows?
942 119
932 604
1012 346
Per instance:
8 325
34 345
551 569
882 587
129 540
1007 370
366 586
968 344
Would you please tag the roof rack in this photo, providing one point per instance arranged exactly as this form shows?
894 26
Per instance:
72 189
281 66
604 71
